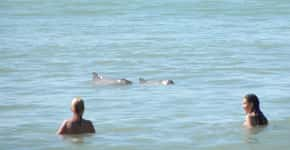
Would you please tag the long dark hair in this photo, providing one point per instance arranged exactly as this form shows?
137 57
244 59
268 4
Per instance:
253 99
258 118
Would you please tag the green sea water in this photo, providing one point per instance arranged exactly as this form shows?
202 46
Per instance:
216 51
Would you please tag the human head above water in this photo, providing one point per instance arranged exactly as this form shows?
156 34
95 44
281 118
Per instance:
78 106
251 103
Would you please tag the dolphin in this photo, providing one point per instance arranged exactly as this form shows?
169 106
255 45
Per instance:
100 80
155 82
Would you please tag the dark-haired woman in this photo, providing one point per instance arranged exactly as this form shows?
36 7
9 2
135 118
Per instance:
254 115
76 125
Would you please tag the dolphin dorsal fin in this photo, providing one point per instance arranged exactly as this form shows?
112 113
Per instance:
95 76
142 80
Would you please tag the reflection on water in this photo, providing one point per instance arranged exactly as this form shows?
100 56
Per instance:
255 130
76 139
251 134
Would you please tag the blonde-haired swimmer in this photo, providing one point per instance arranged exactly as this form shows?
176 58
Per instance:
76 124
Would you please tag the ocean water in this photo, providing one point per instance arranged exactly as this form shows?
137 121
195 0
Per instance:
216 51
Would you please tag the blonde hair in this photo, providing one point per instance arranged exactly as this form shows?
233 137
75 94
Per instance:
78 106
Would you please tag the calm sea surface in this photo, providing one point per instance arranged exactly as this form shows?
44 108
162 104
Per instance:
216 51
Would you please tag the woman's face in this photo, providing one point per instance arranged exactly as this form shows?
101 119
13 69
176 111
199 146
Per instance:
247 106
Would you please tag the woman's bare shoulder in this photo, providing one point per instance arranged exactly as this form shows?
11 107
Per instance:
63 127
90 126
86 121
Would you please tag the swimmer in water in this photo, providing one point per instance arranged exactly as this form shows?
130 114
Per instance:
254 115
76 124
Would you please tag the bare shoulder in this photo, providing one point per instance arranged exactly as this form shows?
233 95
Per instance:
247 121
90 126
62 128
65 123
87 122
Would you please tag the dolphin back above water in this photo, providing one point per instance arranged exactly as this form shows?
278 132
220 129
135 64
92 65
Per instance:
100 80
155 82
